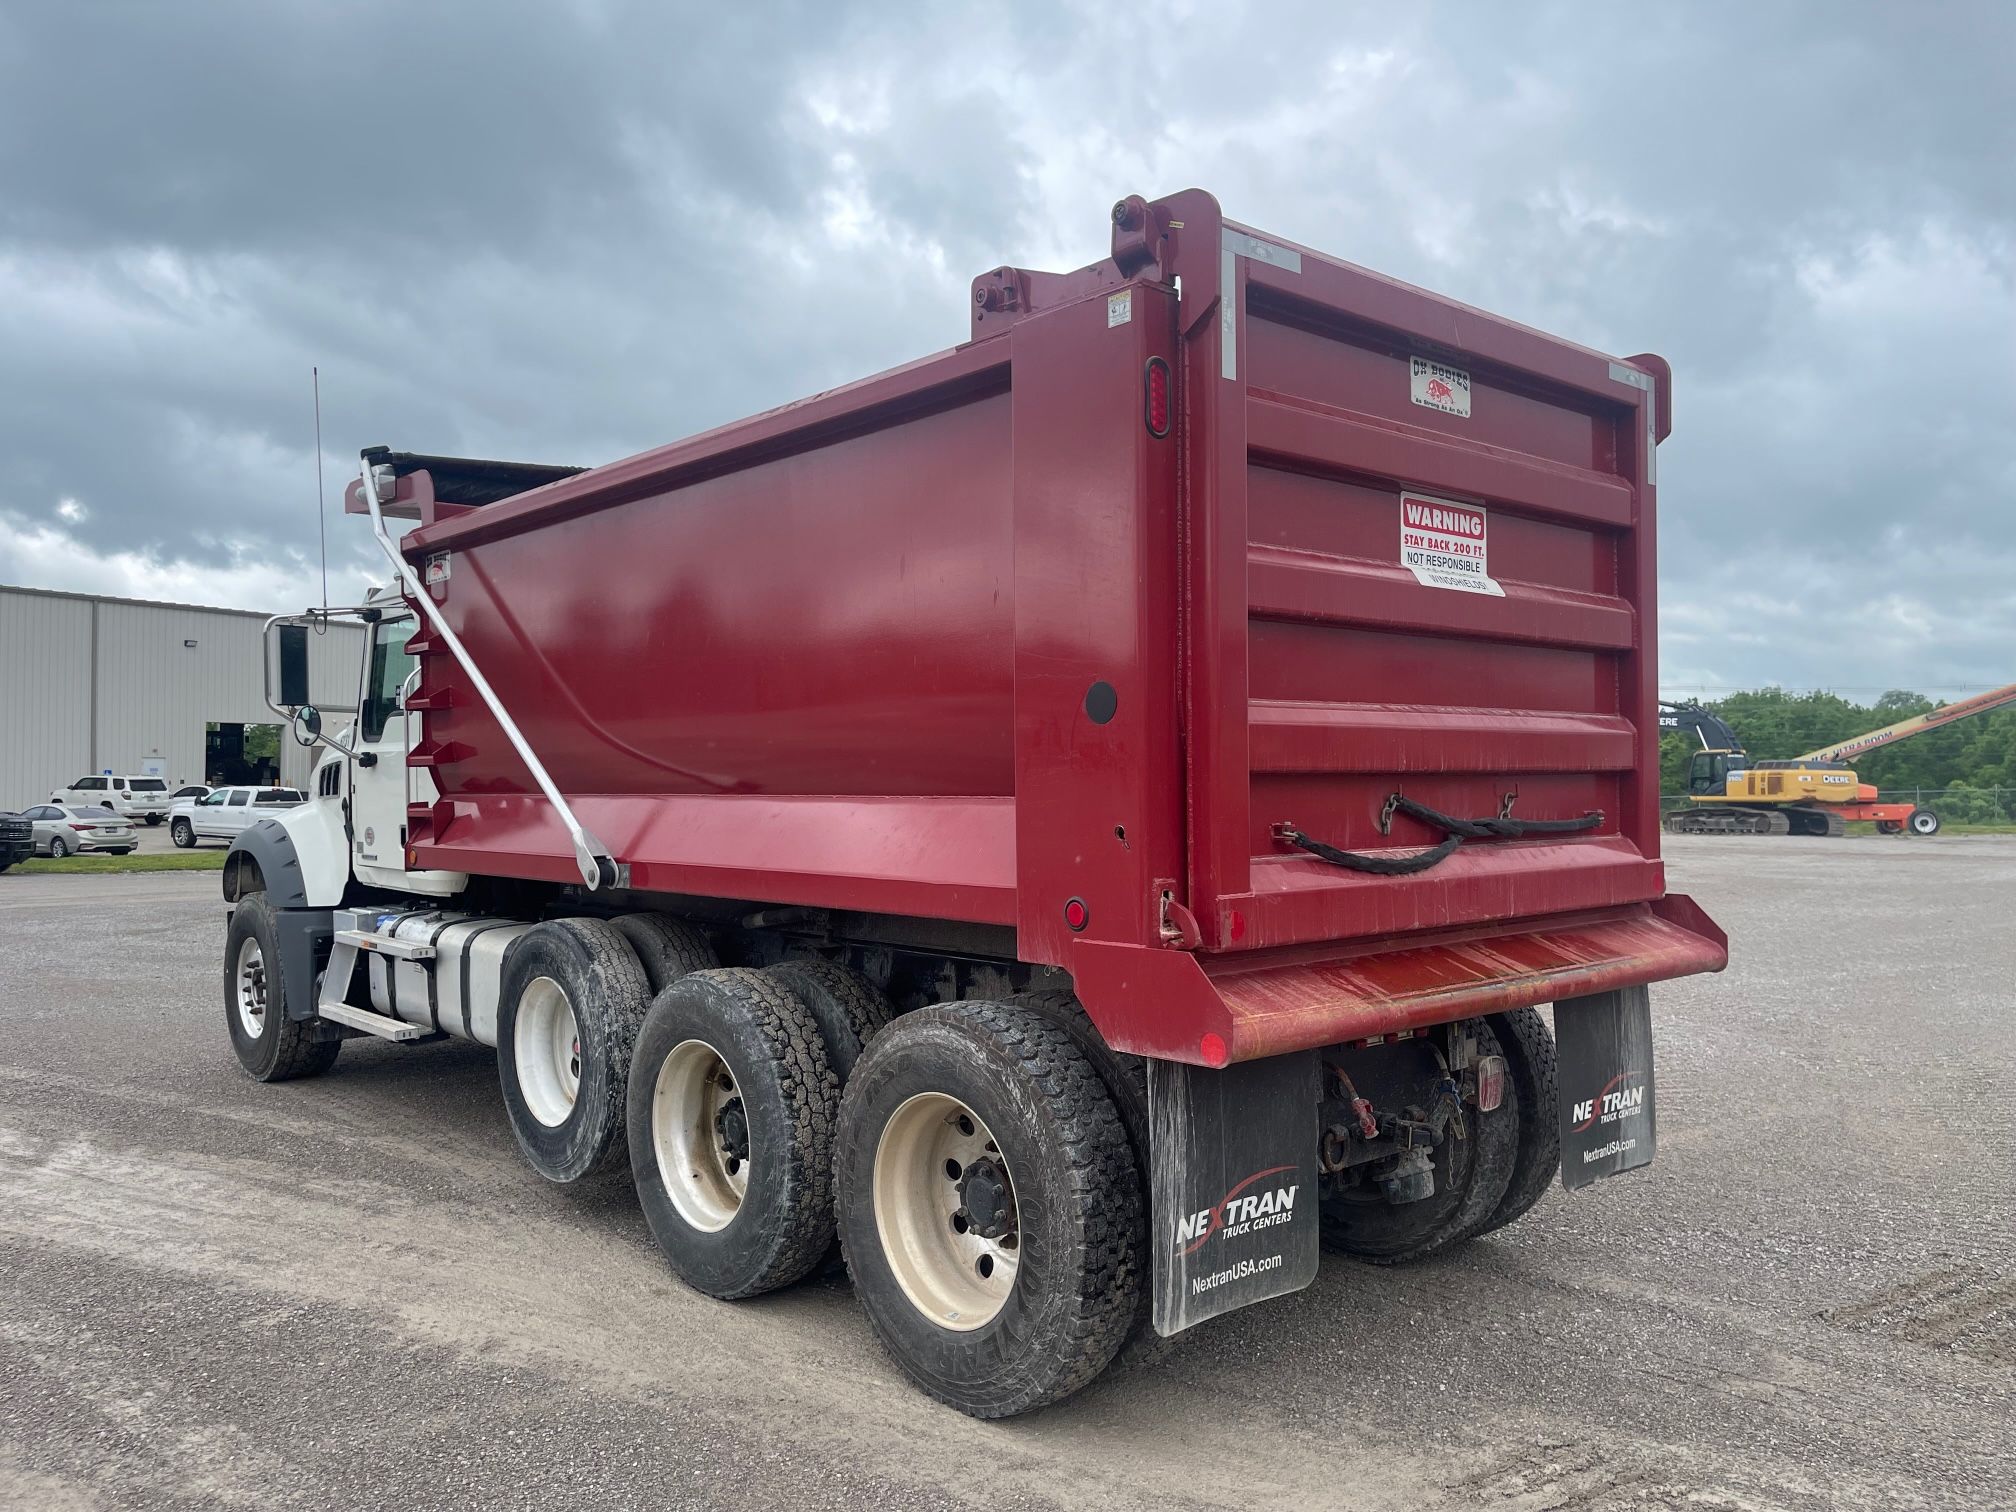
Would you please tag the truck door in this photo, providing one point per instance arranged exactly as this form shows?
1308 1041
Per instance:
378 791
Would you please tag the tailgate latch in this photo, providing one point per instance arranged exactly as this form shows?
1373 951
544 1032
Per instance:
1178 925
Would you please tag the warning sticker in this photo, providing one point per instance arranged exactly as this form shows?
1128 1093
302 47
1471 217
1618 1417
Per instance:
1439 386
1119 308
1443 544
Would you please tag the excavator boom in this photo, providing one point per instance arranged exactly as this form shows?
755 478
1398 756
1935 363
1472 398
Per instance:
1917 724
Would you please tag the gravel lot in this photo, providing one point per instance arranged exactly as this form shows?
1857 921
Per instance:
351 1292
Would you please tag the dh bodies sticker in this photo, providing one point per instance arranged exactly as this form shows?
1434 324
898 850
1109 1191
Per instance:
1437 386
1445 544
1606 1112
1233 1157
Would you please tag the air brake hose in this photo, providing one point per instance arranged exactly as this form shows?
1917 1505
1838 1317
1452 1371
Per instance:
1455 832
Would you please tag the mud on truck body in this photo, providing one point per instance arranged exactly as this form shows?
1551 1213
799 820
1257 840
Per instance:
1085 818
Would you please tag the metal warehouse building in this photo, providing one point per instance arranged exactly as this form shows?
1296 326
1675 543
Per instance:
92 684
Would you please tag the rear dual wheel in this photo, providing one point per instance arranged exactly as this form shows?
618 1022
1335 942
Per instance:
989 1206
572 999
1473 1165
731 1110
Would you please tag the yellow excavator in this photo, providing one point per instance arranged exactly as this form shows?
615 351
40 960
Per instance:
1814 794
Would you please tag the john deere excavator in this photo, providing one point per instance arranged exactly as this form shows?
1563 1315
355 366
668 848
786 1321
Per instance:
1814 794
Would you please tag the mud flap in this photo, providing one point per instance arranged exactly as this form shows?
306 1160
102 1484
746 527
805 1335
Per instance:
1604 1045
1233 1158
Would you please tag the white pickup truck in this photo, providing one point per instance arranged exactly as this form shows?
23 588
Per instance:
224 813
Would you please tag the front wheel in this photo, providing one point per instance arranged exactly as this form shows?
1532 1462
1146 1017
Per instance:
271 1045
1923 822
989 1206
182 834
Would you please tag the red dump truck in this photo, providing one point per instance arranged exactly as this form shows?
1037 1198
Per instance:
1083 819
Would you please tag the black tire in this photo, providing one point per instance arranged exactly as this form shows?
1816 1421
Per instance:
1889 826
1125 1078
666 947
593 965
183 833
59 848
1078 1204
1922 821
789 1101
845 1003
153 819
1472 1176
282 1048
1532 1078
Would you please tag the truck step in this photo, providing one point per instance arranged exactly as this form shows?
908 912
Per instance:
372 1023
404 950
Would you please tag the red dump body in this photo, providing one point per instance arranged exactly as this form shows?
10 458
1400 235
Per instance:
969 641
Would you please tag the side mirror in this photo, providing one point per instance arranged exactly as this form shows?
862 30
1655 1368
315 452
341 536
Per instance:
289 667
308 725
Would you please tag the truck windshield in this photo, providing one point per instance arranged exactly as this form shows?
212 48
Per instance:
390 666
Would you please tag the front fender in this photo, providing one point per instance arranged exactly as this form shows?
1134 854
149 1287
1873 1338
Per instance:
302 855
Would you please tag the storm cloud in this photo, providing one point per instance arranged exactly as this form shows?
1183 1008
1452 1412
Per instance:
567 233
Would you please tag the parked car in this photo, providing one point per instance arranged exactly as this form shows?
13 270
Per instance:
65 829
222 812
17 838
134 797
194 790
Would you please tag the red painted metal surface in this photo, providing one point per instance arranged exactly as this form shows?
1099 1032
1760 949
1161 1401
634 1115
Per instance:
968 641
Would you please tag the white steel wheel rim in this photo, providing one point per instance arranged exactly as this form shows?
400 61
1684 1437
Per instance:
700 1136
1924 823
546 1047
249 987
952 1273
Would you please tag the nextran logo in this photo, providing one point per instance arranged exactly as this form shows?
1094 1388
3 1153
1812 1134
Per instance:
1236 1214
1618 1099
1463 522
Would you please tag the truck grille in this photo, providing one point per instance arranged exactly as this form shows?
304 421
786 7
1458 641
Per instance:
15 831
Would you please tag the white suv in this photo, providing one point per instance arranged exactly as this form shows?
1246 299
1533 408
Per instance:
222 812
133 797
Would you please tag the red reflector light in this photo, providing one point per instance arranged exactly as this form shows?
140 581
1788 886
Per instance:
1211 1050
1490 1083
1076 914
1156 402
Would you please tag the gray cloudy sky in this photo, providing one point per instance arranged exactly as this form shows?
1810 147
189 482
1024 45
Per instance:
569 232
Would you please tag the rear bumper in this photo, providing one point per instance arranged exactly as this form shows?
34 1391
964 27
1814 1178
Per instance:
1170 1003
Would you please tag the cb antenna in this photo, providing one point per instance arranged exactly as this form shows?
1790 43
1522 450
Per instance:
321 512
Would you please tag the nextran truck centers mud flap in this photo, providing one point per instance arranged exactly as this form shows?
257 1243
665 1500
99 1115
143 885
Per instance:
1607 1119
1234 1184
